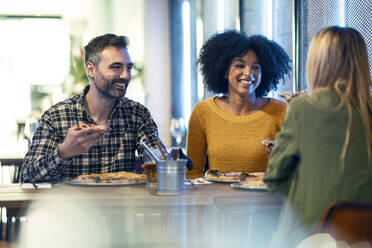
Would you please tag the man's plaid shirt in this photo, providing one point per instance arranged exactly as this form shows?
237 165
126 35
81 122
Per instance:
129 122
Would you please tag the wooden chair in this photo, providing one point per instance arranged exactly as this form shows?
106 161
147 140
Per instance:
12 165
347 221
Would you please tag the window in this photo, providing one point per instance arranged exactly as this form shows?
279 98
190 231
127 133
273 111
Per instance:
314 15
34 59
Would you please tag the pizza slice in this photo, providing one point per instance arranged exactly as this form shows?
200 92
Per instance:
121 177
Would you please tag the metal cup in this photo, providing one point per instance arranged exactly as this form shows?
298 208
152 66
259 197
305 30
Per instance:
171 175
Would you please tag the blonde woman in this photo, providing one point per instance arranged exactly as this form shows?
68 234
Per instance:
323 151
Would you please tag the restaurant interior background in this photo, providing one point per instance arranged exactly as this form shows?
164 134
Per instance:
41 48
40 64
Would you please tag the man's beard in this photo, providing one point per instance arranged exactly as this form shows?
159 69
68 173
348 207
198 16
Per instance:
107 87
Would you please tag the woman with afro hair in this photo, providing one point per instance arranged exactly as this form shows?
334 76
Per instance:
230 127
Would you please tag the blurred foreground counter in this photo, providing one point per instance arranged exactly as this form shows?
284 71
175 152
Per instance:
213 215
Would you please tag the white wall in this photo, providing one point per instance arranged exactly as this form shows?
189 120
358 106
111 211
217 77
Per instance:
157 72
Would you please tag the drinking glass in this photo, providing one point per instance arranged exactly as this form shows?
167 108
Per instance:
178 129
150 172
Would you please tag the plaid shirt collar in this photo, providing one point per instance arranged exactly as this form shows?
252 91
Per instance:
119 104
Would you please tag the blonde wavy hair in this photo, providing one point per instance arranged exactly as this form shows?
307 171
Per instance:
337 60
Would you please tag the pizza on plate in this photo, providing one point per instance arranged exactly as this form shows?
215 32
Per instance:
252 180
121 177
216 175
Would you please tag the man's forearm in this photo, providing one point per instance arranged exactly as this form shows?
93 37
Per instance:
42 168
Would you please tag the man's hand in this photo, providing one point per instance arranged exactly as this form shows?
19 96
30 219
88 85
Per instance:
79 139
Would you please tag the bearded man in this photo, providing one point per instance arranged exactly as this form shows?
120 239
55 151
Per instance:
97 131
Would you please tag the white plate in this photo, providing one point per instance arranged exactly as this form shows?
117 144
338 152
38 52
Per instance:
102 184
244 186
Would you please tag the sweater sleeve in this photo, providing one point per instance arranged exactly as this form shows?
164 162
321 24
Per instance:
284 156
196 145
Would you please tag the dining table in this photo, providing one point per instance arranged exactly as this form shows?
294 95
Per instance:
200 215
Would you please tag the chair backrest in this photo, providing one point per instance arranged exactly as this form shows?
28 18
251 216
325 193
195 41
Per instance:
347 221
10 170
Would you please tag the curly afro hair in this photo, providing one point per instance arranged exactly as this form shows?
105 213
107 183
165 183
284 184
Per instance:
220 49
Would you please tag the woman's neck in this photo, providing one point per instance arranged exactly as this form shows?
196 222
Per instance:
237 105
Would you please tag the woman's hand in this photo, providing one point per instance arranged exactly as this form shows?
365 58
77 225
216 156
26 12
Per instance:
289 97
268 144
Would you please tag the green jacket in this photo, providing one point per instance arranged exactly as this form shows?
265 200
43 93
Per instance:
305 165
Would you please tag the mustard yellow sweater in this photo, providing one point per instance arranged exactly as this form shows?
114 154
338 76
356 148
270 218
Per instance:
233 142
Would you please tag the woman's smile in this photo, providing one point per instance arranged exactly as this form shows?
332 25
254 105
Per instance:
244 74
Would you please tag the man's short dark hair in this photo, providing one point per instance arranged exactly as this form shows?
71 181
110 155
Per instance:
98 44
